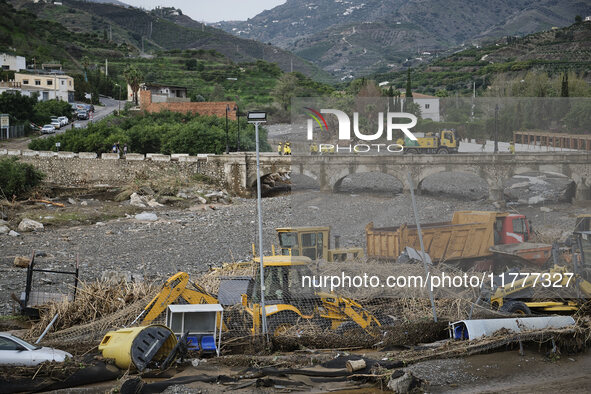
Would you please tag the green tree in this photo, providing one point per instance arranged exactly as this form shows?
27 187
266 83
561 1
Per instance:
564 86
134 77
578 19
218 93
191 64
285 89
19 107
408 94
17 179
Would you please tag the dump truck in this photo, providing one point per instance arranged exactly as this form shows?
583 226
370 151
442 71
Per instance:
314 242
443 142
286 301
472 238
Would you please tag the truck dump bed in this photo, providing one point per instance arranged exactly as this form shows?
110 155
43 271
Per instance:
468 235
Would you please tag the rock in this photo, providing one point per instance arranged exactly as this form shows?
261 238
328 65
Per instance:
99 223
71 201
545 209
539 187
201 200
114 276
496 204
146 216
136 200
214 195
182 194
3 222
154 204
401 384
22 261
4 229
461 185
13 233
29 225
84 203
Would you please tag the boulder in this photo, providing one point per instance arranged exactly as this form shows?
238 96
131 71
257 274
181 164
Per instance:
22 261
29 225
136 200
201 200
13 233
146 216
4 229
539 187
71 201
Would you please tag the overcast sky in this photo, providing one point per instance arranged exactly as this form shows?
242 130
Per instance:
212 10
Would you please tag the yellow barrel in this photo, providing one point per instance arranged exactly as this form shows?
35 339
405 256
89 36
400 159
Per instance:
138 346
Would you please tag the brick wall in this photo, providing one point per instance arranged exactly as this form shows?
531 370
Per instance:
217 108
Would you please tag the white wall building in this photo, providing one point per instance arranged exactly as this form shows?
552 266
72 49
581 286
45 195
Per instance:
429 106
49 85
12 62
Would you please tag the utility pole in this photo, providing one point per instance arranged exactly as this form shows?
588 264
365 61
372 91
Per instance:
106 67
110 32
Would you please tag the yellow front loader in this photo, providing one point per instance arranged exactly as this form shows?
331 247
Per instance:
287 302
313 242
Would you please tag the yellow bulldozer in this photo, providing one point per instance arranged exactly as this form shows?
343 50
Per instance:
287 302
565 287
313 242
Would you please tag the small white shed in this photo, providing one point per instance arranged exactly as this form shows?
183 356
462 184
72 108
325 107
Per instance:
203 322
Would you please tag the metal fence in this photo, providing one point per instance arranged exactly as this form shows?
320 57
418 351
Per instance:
14 131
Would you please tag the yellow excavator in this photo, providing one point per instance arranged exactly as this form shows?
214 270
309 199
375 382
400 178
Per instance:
287 302
572 284
313 242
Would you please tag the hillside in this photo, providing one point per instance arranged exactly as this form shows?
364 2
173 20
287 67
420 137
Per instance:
158 30
553 51
355 37
21 32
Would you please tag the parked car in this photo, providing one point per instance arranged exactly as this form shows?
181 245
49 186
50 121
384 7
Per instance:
57 124
15 351
82 115
47 129
64 120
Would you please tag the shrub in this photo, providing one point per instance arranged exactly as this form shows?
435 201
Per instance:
17 179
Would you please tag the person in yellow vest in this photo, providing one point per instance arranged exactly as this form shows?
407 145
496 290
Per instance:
287 149
314 148
280 148
512 148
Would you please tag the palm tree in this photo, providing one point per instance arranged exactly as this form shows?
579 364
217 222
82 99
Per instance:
134 77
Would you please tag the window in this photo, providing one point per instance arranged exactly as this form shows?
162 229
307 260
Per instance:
49 82
63 83
37 82
427 106
7 344
25 81
70 83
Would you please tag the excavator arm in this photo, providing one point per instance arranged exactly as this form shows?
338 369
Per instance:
174 288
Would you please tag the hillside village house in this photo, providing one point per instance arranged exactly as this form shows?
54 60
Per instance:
162 93
429 106
49 84
12 62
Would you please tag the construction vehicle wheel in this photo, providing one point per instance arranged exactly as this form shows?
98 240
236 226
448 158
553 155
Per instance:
515 307
280 323
442 151
412 151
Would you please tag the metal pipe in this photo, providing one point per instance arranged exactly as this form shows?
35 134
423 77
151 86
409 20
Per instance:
425 265
47 328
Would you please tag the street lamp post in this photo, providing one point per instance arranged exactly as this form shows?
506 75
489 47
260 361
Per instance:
238 114
227 146
258 117
118 99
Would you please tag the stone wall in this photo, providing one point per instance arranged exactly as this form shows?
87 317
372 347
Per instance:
203 108
234 172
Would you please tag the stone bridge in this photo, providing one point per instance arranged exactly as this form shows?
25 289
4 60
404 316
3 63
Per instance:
495 169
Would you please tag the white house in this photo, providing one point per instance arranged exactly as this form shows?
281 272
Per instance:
429 106
12 62
49 84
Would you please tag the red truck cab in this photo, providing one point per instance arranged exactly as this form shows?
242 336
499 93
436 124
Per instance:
512 229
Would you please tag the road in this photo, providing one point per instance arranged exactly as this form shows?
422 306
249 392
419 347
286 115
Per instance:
109 105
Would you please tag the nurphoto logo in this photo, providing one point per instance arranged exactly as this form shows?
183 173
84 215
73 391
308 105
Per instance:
344 131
